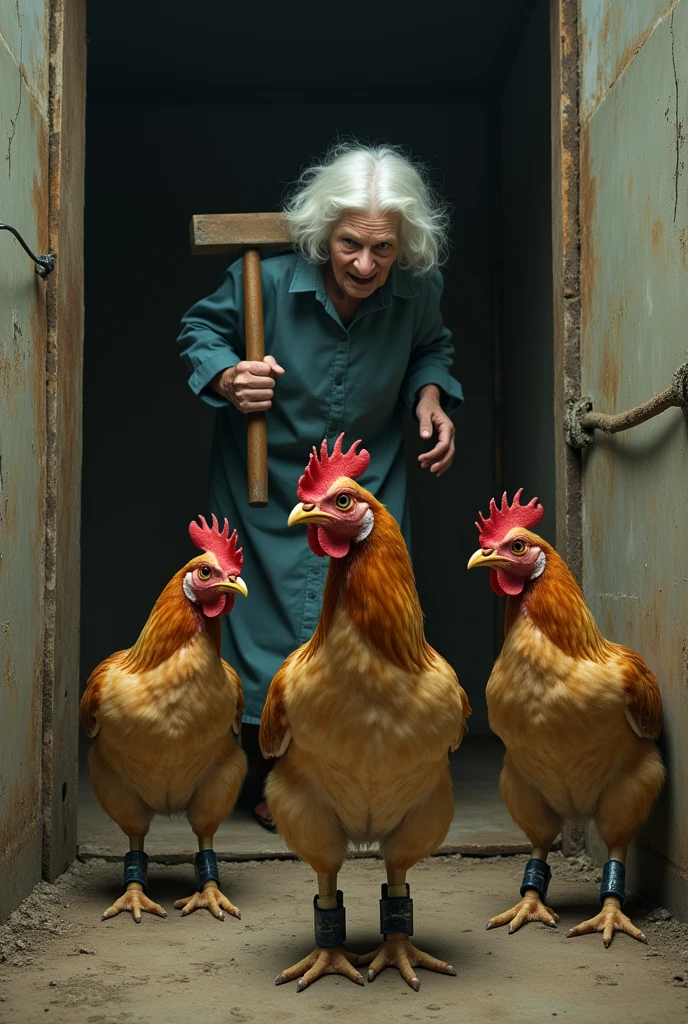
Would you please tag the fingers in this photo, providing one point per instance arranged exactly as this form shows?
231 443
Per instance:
274 365
178 904
425 418
439 458
608 933
252 385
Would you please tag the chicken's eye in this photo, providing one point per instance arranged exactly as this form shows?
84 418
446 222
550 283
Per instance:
343 502
518 547
204 573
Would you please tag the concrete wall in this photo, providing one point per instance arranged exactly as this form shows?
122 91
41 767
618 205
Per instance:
146 439
24 203
634 273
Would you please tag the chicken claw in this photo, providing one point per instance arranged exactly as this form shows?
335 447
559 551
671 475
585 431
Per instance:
397 951
210 899
135 901
609 920
530 908
322 961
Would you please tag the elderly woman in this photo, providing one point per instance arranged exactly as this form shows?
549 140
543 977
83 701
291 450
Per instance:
355 335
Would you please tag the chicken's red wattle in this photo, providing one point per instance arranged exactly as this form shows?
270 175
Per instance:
504 584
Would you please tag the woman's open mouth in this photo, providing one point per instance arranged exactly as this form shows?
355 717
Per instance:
361 280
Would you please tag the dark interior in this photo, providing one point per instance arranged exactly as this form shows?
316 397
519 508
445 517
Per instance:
206 109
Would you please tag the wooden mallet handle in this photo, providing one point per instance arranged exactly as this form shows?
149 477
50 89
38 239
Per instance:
255 350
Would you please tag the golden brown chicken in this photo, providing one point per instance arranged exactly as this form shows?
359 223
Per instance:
162 714
577 714
362 719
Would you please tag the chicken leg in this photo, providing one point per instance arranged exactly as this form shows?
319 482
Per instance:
134 898
531 907
396 908
208 895
330 928
611 918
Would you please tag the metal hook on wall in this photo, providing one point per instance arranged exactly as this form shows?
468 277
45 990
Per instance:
581 421
44 265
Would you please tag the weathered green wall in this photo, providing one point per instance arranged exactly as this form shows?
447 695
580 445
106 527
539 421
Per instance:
23 203
634 285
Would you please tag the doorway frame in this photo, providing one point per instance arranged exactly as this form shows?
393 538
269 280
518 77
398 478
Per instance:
64 375
63 440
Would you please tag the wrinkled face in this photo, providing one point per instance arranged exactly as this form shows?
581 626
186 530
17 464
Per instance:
207 585
340 517
363 248
513 560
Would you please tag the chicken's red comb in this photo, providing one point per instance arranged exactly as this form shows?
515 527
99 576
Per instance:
218 542
503 519
321 473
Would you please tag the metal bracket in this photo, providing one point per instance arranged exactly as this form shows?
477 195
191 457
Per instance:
580 421
44 265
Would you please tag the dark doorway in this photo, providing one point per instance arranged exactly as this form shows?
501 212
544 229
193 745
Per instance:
211 110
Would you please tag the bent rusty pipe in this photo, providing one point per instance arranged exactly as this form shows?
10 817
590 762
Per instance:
581 421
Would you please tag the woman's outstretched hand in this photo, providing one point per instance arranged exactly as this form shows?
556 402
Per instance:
249 385
433 419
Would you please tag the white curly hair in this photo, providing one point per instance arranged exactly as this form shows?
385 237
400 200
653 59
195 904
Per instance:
354 177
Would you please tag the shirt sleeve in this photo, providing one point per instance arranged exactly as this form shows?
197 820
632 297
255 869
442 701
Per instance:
432 353
212 335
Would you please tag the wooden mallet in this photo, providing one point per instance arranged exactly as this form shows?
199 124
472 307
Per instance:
246 233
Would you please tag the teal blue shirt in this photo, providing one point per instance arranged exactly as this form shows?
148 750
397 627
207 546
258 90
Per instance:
358 379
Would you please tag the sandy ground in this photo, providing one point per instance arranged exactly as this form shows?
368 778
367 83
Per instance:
59 962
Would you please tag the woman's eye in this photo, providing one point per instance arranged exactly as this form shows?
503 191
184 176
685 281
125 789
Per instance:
349 242
518 547
343 502
385 246
204 572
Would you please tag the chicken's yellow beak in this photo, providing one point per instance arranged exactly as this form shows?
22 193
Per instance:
488 559
232 586
310 515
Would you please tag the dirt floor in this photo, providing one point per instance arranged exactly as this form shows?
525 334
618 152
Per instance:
59 962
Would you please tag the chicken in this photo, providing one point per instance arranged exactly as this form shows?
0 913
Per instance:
162 715
361 719
577 715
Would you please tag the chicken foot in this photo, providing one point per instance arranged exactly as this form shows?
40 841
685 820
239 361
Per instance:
531 906
325 959
611 918
396 950
134 898
208 895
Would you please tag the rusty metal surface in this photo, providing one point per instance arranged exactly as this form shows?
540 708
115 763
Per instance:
24 201
63 435
566 269
612 34
634 285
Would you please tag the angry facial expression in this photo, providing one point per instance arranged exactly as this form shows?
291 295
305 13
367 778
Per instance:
363 248
341 517
206 584
512 561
